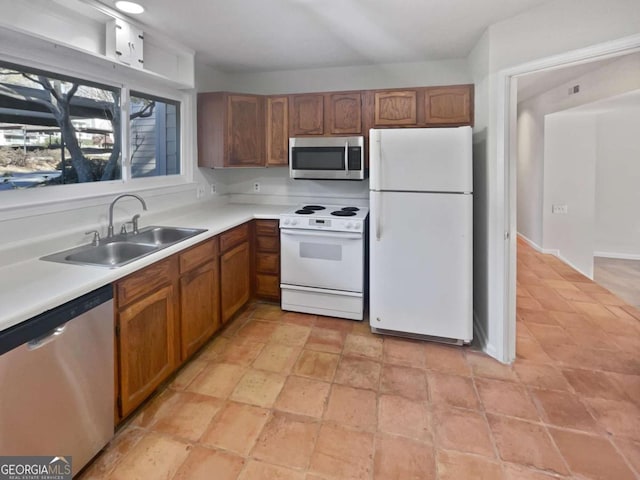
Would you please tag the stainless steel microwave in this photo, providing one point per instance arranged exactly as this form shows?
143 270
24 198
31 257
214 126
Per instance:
327 158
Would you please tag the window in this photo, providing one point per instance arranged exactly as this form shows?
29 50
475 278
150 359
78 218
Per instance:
56 130
154 136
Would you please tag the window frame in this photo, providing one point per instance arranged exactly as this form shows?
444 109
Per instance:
16 203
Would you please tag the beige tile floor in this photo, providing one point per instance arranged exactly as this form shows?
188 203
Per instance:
300 397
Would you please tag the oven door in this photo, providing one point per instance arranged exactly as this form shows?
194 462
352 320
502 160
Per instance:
322 259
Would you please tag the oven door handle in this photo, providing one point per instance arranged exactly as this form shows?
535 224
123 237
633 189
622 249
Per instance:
316 233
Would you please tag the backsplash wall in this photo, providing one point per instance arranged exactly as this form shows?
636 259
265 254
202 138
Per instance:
275 182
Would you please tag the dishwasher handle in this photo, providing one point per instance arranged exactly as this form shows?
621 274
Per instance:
48 337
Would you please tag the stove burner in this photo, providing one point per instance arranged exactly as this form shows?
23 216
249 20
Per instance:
350 209
313 207
305 211
343 213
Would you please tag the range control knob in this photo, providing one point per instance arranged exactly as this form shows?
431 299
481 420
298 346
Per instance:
357 226
294 222
286 221
350 225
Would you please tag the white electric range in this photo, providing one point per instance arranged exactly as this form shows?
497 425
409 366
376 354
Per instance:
323 260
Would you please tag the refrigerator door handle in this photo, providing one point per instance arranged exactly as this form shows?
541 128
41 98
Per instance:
378 145
378 220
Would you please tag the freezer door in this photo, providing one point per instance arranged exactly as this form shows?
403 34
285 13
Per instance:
421 159
421 263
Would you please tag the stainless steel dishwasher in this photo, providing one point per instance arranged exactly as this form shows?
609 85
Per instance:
57 385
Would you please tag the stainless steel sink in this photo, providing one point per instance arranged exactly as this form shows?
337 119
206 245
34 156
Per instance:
111 254
121 249
163 235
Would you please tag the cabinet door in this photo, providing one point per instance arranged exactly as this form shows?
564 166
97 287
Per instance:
235 280
199 312
306 113
344 113
277 128
268 286
448 105
395 108
147 346
244 131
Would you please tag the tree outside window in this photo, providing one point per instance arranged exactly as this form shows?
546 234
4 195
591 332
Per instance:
58 130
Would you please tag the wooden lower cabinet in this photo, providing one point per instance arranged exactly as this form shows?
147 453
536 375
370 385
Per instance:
199 307
235 279
146 347
267 260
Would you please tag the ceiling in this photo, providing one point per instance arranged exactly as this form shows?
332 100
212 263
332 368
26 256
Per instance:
269 35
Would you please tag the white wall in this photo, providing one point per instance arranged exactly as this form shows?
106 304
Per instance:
617 195
550 29
570 151
617 77
479 66
440 72
530 133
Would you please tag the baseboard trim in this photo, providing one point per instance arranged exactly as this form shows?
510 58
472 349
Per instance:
535 246
621 256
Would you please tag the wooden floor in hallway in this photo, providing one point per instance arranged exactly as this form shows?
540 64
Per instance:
291 396
621 276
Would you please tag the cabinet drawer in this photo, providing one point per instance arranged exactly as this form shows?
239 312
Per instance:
268 244
267 263
267 227
198 254
144 281
233 237
268 286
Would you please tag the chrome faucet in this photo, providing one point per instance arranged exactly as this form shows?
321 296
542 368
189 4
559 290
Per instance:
144 207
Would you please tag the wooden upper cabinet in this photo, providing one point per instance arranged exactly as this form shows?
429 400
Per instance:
306 114
395 108
244 131
344 113
230 130
449 105
277 130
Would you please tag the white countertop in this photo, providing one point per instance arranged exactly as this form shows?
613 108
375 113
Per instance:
34 286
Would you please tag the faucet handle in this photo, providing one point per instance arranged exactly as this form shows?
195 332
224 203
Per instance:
96 236
123 228
134 222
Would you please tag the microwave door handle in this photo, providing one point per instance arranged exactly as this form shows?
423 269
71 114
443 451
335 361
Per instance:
346 156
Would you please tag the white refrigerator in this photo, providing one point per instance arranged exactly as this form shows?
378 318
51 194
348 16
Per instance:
421 232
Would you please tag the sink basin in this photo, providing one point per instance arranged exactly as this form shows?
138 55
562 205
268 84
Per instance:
163 235
121 249
112 254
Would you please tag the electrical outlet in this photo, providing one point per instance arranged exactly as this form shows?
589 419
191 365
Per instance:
256 187
200 191
213 188
560 209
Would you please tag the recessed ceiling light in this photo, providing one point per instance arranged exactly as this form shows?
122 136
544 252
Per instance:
129 7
